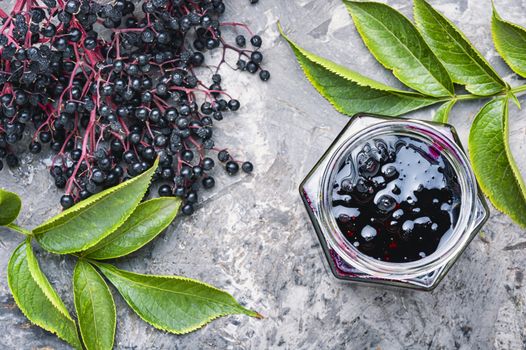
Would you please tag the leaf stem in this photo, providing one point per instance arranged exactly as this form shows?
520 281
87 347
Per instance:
19 229
517 89
469 97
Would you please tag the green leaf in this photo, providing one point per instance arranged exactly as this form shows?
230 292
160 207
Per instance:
396 44
10 205
351 93
95 307
493 162
147 221
510 42
171 303
464 63
87 223
36 298
442 113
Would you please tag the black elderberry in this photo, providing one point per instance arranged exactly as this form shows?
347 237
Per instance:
208 182
208 164
247 167
241 64
264 75
198 58
118 171
60 181
149 153
241 41
223 156
179 192
167 173
66 201
256 57
98 177
256 41
165 191
186 171
188 209
233 105
129 157
252 67
232 167
35 147
187 155
72 7
90 43
216 78
191 197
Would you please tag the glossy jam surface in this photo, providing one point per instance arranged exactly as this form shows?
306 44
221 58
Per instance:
395 198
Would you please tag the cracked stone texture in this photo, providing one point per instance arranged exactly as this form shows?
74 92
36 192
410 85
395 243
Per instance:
252 235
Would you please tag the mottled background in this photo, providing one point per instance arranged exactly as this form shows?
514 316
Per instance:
252 236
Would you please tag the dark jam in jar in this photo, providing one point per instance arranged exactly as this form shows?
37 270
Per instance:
395 198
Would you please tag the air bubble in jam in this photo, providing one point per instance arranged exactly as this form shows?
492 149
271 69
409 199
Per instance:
396 198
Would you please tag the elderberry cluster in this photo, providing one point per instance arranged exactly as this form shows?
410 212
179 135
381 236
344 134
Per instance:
109 105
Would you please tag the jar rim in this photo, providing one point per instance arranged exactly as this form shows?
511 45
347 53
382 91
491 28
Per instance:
447 250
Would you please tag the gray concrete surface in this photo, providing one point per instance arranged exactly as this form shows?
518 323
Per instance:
252 236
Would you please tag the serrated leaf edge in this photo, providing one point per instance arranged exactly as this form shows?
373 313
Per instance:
511 161
322 62
110 231
111 298
496 17
496 78
42 228
509 155
31 258
395 70
346 73
17 301
108 268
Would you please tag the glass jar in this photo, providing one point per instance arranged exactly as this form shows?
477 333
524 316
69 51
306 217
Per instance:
349 263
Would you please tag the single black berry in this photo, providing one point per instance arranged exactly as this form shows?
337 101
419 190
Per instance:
66 201
165 191
232 167
241 41
256 41
264 75
188 209
208 182
223 156
247 167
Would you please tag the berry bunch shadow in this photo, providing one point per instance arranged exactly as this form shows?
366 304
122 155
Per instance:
109 88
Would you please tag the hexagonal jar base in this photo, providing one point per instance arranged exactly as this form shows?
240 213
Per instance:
346 267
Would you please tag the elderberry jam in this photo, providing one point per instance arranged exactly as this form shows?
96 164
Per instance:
395 198
393 202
